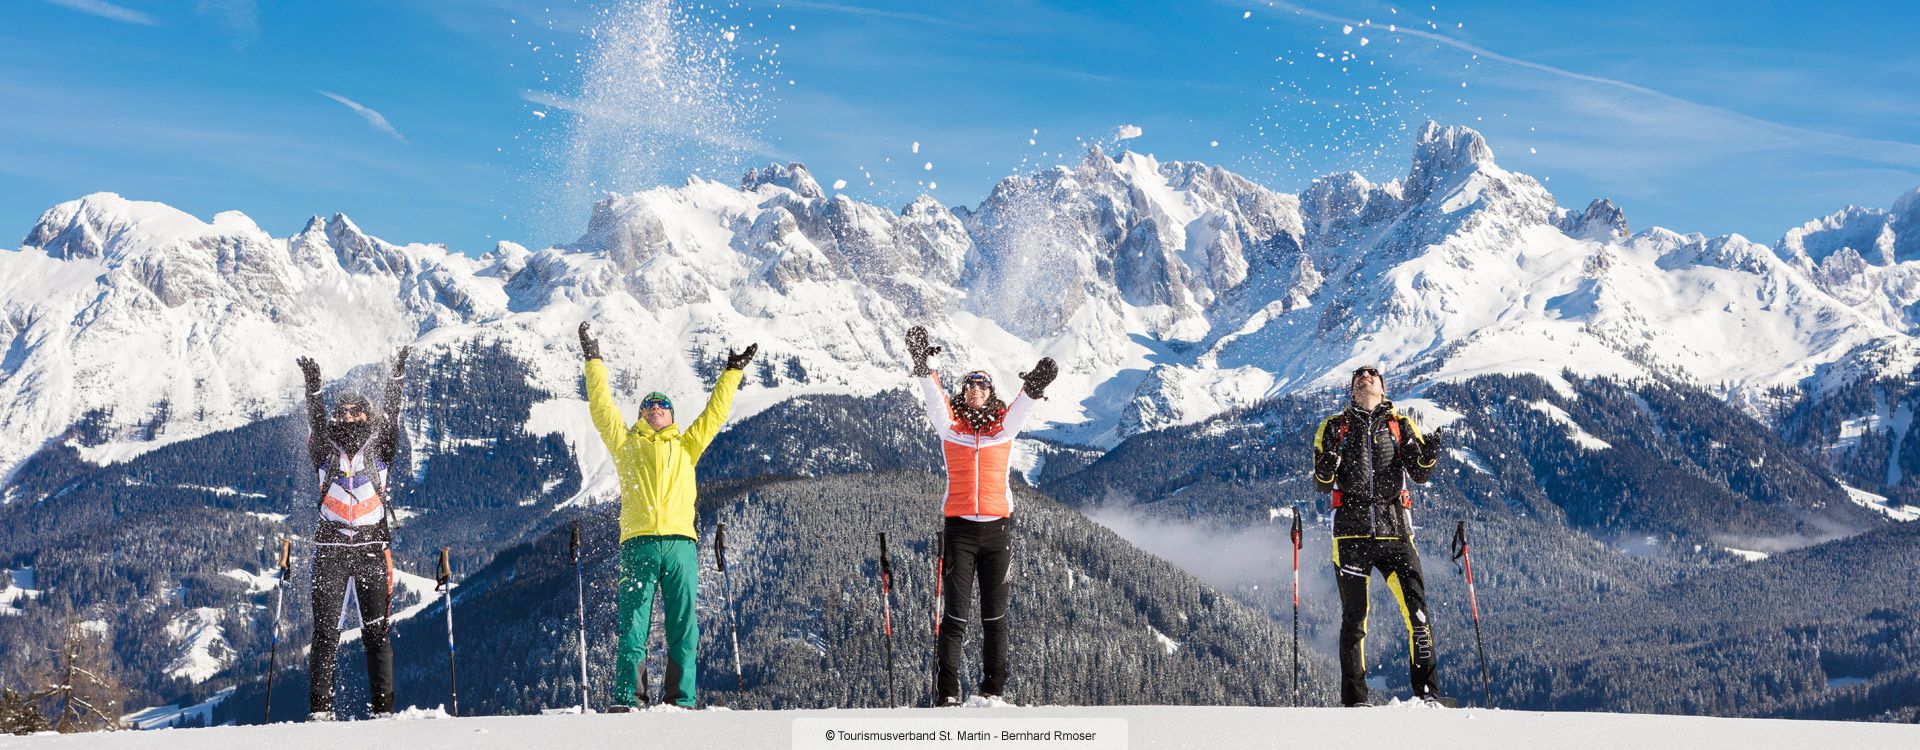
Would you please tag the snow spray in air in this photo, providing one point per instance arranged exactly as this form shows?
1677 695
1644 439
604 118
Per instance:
666 90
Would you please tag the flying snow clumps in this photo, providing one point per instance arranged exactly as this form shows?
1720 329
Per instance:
1128 132
839 184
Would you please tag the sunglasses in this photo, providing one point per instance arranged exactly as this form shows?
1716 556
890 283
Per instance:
657 402
1365 371
347 411
976 378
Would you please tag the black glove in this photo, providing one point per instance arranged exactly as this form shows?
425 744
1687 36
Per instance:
1430 446
310 372
1325 464
740 361
1036 379
589 348
918 347
400 363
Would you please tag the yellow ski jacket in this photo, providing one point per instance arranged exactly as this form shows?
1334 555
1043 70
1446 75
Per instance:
657 482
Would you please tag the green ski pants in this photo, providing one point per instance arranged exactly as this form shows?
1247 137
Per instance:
670 564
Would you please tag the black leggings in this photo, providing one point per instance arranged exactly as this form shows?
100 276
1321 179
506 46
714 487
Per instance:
981 550
368 571
1355 559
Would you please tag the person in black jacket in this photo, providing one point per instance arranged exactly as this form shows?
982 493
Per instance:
1363 456
352 450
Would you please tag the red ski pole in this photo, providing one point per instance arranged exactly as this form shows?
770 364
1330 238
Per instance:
1461 554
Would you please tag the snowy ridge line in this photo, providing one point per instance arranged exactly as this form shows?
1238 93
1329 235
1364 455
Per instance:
1401 725
1169 292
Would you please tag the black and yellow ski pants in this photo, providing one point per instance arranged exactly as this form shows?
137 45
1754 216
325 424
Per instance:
1354 560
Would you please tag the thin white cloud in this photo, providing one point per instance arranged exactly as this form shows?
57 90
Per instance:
1869 149
241 18
108 10
858 10
377 120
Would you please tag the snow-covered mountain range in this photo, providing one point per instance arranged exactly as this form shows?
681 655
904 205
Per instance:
1169 292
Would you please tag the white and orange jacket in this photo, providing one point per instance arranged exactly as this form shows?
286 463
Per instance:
976 460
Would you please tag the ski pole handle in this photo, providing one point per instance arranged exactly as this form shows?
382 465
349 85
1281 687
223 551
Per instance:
286 558
720 546
573 544
886 568
446 570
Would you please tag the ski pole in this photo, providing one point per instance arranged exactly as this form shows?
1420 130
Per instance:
733 624
445 584
939 576
580 591
1296 605
279 598
1461 554
886 611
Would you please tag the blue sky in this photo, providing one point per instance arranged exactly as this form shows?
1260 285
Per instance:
467 121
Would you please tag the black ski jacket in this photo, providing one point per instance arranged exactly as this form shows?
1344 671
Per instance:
1379 450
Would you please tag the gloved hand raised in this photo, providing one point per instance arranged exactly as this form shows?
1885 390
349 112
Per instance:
1431 443
1325 464
1037 379
310 373
740 361
920 350
589 348
400 363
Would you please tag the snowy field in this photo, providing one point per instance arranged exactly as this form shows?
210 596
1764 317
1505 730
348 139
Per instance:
1198 727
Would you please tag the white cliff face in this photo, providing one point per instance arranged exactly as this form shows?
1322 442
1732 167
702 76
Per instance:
1168 292
1868 258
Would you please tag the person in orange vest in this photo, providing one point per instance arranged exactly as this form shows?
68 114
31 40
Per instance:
976 430
352 451
1363 458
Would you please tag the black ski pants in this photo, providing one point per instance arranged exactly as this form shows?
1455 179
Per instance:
365 572
1354 560
982 551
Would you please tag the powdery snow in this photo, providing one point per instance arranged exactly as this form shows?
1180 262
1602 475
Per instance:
1579 434
202 643
1399 725
19 589
169 716
256 582
1881 504
1167 644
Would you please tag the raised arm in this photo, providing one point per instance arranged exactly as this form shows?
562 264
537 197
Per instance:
932 396
1033 387
1425 453
316 411
719 403
389 440
607 419
1326 455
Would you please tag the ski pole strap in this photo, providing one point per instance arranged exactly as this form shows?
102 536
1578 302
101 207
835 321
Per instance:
446 570
720 546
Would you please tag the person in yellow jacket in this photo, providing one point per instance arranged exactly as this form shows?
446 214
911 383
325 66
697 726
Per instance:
657 541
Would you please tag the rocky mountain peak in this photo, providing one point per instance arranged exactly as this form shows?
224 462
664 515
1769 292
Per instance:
792 176
1442 150
1601 221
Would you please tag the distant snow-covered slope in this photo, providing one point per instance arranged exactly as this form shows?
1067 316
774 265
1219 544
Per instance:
1169 292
